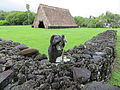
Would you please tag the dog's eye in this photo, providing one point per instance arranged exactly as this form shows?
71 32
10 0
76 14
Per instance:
56 38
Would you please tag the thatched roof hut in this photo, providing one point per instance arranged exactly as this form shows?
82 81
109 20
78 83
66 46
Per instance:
53 17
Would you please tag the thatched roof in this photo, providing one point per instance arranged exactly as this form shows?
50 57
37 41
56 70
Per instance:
54 17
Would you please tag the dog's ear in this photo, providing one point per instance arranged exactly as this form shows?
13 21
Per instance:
63 36
64 40
52 38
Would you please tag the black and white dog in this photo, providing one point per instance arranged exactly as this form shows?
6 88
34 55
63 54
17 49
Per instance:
55 49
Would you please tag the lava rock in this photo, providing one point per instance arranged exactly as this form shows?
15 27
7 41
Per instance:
101 54
29 51
92 67
81 75
21 78
2 61
9 63
40 57
5 78
2 55
97 59
92 61
44 61
44 86
21 47
55 85
40 77
29 85
2 68
99 86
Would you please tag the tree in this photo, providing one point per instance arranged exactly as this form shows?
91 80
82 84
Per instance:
20 18
79 21
107 19
28 7
3 15
110 20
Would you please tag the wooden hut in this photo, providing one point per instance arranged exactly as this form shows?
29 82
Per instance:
53 17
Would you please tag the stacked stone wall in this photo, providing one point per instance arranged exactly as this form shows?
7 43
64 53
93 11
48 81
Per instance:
24 68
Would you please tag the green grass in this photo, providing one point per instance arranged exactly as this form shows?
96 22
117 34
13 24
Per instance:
116 73
39 39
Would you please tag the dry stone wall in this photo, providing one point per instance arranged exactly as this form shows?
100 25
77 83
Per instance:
97 55
24 68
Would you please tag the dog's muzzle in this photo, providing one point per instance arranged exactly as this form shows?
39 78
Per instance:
59 46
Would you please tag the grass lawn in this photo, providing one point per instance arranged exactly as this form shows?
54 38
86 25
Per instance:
39 39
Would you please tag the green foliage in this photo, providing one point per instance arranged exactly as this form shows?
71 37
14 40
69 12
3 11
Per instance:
3 22
27 7
93 22
108 19
3 15
80 21
20 18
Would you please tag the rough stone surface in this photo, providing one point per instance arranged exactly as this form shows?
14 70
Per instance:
2 61
33 71
40 57
5 78
99 86
21 47
97 55
81 75
29 51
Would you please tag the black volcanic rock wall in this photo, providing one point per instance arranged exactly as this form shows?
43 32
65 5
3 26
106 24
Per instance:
97 55
27 69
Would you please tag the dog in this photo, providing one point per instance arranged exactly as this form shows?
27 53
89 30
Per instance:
55 50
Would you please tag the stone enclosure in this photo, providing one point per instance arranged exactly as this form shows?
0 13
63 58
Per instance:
90 65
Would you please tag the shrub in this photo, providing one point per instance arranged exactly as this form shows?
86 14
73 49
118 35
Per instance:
3 15
20 18
3 22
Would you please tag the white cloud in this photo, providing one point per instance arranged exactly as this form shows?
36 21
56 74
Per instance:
76 7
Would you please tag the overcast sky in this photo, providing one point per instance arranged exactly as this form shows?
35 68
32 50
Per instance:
83 8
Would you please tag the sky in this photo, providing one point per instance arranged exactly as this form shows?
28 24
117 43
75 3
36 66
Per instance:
84 8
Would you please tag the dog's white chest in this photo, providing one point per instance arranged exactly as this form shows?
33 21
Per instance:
62 59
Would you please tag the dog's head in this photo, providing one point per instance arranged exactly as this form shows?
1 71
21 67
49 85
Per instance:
58 40
55 39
